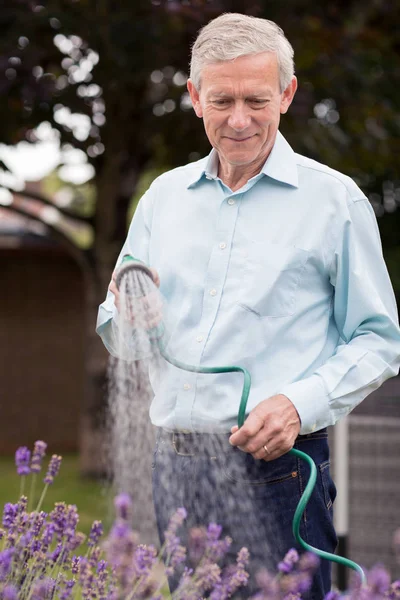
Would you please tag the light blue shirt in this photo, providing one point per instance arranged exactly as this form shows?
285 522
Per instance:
284 276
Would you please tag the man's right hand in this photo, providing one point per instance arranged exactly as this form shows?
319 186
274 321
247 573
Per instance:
114 289
149 302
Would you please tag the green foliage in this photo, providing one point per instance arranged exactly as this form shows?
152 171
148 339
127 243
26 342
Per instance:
81 198
123 66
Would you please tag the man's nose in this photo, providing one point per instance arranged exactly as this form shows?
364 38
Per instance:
239 118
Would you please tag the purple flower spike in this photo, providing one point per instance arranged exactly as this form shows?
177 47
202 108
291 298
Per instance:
333 595
214 531
22 460
379 579
290 559
52 471
43 589
308 562
123 506
95 533
6 558
9 514
39 450
10 592
197 543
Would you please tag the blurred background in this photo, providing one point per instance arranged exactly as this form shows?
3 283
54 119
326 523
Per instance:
93 106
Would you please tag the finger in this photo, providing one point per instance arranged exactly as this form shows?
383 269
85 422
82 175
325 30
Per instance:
155 276
113 288
234 429
266 452
254 445
251 427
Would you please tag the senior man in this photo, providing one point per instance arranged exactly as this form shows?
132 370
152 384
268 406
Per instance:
270 261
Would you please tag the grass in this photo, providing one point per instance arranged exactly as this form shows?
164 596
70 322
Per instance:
92 498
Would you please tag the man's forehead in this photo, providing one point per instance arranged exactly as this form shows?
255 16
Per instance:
260 71
246 90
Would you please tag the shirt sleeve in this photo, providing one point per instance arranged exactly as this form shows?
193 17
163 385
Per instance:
137 245
364 309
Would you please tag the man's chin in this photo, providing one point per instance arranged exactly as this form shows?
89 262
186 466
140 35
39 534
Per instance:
240 160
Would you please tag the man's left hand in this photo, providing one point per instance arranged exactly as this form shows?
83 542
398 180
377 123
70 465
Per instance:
270 429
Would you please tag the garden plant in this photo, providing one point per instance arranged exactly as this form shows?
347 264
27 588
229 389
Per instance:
43 556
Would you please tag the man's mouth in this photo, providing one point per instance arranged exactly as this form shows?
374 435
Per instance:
239 140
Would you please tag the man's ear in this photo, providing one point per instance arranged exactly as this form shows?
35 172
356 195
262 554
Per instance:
288 95
195 98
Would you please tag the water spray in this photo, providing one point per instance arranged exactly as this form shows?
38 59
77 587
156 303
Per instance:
144 311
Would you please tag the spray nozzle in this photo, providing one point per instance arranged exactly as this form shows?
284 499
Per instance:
127 264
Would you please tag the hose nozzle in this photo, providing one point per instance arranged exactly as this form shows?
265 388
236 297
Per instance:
128 264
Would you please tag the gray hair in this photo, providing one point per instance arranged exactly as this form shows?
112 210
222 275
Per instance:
232 35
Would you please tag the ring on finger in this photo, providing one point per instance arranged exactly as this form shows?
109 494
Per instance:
266 449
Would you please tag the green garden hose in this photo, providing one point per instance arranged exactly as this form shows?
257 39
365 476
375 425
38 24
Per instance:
158 337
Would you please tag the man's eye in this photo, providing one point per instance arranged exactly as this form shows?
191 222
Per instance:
258 102
220 102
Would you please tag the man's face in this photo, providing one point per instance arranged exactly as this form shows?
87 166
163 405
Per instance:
241 103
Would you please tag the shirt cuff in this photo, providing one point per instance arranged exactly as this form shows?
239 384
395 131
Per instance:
311 402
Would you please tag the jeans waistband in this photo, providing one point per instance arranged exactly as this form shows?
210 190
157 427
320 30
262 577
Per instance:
190 444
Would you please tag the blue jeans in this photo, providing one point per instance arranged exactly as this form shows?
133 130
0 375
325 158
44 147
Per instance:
253 500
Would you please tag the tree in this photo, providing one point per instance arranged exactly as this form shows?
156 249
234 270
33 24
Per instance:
122 65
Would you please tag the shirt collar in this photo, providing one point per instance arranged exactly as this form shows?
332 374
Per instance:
280 165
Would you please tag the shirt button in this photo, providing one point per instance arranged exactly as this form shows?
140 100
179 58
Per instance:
187 386
199 338
231 201
213 292
208 177
222 245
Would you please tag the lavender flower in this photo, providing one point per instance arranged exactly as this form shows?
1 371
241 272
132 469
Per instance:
9 515
206 576
144 560
75 565
10 592
68 589
22 504
290 559
233 577
39 451
123 506
95 533
176 553
216 548
197 543
58 517
394 590
308 562
37 521
48 534
71 522
52 471
6 558
378 580
177 520
43 589
76 541
332 595
22 460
